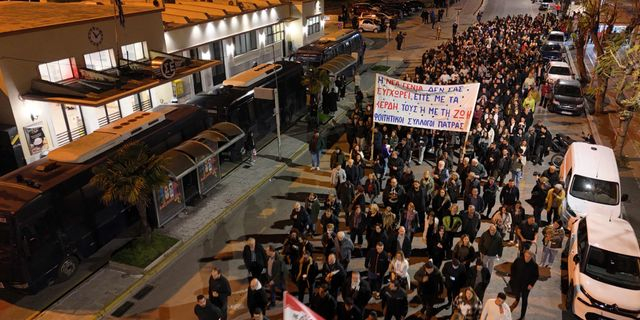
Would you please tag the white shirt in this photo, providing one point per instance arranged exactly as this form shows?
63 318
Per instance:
491 311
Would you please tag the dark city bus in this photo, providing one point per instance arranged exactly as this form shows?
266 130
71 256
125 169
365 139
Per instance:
234 101
330 46
51 217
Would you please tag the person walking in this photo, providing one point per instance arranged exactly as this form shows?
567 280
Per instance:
323 302
478 278
399 40
552 242
316 145
490 247
387 31
496 309
454 29
394 302
250 147
438 31
276 273
255 258
377 263
219 290
205 310
467 305
430 284
256 297
432 15
307 272
554 200
524 274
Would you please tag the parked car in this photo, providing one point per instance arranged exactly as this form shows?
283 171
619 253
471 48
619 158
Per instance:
556 37
383 17
360 7
567 97
551 51
369 25
603 261
558 70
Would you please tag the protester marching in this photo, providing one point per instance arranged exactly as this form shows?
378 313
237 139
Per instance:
377 205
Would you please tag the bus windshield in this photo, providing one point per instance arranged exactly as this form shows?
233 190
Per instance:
613 268
594 190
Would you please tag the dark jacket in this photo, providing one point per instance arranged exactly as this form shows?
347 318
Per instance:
308 268
509 196
372 187
523 274
338 278
278 270
394 301
454 278
324 306
433 287
470 225
480 288
355 313
222 287
261 256
361 296
257 299
490 245
208 312
418 198
301 219
377 262
393 245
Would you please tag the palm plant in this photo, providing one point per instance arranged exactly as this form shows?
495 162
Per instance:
129 176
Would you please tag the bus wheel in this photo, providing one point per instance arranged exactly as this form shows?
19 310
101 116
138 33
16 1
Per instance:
67 268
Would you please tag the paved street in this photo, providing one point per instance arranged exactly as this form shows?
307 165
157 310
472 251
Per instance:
264 212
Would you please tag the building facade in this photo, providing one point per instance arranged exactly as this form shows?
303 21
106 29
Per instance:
69 68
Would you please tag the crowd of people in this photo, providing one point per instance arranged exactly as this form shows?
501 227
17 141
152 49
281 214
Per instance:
375 213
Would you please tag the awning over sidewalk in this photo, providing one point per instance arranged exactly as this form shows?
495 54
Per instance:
97 88
338 64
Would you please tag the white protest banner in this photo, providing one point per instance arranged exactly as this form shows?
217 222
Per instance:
418 105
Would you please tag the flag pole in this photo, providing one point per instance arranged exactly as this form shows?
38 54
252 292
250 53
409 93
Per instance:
373 112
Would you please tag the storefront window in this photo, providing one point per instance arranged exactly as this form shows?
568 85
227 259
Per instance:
127 105
274 33
113 111
101 60
67 122
135 51
313 25
245 42
183 88
162 94
58 70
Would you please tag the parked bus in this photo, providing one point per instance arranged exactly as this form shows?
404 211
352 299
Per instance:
234 101
51 217
330 46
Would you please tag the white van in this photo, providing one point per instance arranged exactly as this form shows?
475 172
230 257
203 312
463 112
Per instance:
590 175
603 267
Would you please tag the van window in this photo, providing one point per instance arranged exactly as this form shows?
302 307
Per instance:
560 70
594 190
613 268
556 37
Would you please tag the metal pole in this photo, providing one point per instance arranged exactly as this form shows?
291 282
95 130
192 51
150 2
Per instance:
276 100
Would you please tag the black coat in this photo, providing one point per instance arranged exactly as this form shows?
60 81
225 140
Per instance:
361 296
261 256
208 312
222 287
472 273
393 245
454 278
418 198
395 301
355 313
523 274
324 306
377 262
257 299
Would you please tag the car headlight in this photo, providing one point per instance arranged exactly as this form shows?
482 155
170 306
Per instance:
580 105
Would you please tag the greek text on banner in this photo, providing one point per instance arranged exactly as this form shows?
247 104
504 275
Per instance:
418 105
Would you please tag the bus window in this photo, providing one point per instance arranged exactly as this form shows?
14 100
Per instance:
6 234
71 210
